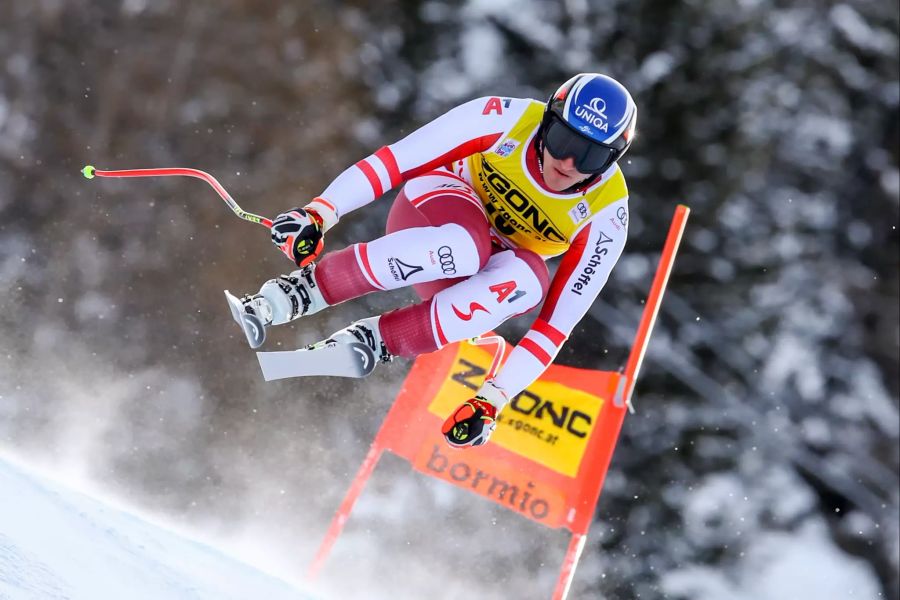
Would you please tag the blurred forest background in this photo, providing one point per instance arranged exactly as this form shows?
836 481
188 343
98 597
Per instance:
763 459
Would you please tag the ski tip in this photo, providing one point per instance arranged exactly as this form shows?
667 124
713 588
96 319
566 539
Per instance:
88 171
234 304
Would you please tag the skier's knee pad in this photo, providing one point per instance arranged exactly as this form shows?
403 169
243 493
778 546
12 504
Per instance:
481 237
506 287
538 267
464 215
418 255
417 205
460 234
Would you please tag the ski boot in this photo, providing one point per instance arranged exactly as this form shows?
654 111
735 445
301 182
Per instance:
354 351
283 299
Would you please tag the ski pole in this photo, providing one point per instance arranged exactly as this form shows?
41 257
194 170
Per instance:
90 172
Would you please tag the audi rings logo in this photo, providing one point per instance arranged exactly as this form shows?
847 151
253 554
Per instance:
622 214
445 255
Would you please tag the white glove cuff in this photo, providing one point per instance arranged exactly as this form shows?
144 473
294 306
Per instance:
326 210
493 394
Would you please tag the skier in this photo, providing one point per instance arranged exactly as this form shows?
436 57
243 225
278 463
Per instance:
493 188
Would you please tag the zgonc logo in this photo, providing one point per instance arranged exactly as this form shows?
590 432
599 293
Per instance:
550 423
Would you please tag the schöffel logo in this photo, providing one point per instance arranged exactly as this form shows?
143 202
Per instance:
594 112
400 270
593 264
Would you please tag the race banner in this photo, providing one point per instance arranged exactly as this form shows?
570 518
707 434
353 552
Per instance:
535 462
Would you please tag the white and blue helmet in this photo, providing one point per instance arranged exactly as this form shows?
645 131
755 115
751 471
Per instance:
590 118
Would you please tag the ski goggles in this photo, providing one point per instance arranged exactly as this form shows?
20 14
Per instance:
589 157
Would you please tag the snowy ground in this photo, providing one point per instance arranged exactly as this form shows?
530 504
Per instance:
58 544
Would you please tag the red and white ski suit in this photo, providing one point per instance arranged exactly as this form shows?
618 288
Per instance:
470 230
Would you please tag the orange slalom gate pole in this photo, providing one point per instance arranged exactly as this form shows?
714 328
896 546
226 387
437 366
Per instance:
368 467
567 574
343 512
635 358
654 300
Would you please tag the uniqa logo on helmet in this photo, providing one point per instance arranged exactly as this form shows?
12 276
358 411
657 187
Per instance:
594 113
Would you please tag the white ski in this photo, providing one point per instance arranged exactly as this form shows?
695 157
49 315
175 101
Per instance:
325 358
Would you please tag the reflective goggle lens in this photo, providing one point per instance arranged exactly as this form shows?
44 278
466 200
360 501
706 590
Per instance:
589 157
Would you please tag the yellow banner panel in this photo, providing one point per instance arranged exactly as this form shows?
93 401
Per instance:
549 423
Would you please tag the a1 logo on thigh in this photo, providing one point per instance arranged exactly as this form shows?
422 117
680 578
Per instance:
504 292
469 309
507 291
473 308
484 300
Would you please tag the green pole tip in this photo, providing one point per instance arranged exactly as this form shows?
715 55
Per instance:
88 172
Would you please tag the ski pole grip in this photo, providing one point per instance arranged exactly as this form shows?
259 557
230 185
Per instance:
499 351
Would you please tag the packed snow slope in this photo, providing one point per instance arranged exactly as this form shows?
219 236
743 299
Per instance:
59 544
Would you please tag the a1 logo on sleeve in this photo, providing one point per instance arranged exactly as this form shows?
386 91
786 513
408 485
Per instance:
495 106
580 212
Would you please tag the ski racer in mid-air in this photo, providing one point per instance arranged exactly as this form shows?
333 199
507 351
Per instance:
493 188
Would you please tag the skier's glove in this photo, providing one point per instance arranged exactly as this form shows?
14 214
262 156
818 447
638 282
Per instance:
299 234
474 421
